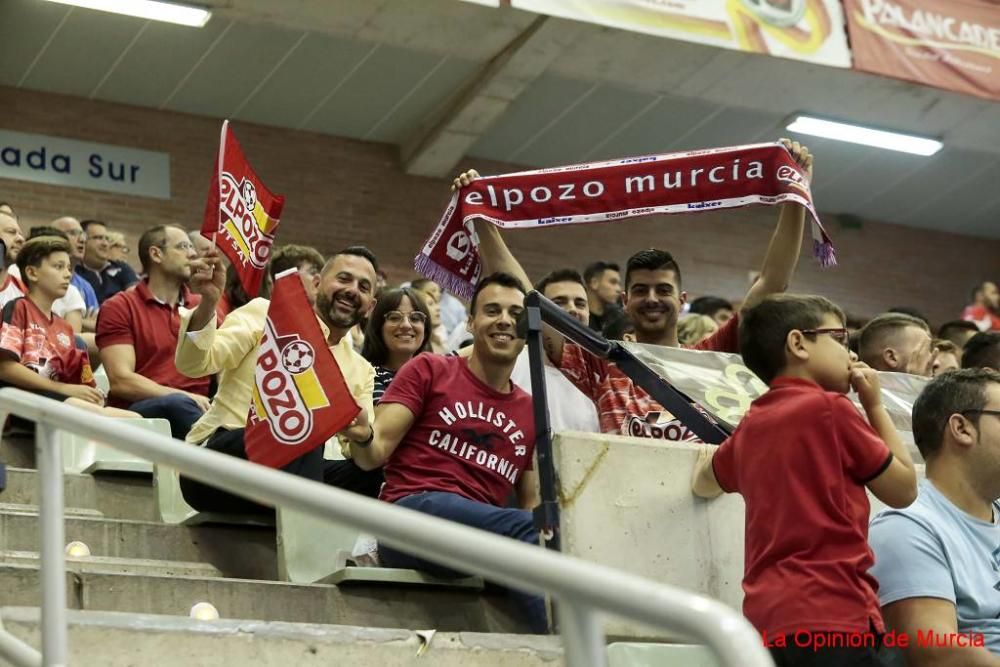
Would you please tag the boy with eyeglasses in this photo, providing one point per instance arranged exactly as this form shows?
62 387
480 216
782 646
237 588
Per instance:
801 458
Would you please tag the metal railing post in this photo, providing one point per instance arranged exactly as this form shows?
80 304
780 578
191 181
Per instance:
53 566
582 634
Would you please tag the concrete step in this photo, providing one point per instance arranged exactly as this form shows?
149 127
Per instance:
236 551
375 605
17 508
105 565
117 496
125 640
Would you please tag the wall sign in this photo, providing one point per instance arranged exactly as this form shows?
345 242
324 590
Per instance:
82 164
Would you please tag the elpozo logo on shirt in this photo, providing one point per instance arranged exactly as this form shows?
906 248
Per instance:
286 388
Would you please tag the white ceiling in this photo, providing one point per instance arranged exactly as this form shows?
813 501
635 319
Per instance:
386 70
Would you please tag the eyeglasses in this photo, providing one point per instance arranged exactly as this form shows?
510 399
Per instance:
840 335
395 317
185 246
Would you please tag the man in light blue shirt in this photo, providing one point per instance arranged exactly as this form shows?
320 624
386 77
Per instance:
938 561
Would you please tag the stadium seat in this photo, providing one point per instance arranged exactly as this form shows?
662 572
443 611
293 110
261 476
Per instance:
172 508
101 378
312 550
85 455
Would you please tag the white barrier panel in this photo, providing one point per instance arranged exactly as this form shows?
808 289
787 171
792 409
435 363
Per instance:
627 503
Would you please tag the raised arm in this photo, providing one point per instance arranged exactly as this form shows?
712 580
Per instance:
896 486
496 256
786 243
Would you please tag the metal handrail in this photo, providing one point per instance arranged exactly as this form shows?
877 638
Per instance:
582 588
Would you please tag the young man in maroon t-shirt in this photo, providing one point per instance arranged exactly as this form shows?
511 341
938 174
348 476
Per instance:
456 436
801 458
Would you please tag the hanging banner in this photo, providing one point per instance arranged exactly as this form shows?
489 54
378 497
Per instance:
725 388
951 44
810 30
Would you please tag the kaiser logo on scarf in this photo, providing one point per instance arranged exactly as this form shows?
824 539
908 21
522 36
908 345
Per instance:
689 182
241 215
300 398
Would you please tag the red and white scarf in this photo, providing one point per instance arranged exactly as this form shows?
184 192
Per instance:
688 182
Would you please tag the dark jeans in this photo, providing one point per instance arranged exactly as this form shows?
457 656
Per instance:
815 650
513 523
343 474
180 410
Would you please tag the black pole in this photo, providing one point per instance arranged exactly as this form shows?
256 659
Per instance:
547 513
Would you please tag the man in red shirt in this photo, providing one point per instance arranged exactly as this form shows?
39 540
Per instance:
985 308
801 458
137 334
653 302
456 436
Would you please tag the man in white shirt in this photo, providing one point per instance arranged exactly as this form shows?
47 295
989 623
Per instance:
569 409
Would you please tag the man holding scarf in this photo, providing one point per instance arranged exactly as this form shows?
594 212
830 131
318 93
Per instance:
653 302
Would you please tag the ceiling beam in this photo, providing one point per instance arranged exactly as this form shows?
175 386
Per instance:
437 146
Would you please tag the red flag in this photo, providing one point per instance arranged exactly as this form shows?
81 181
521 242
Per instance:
300 399
241 215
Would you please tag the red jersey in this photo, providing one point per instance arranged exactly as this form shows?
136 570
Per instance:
45 345
136 317
983 317
801 458
622 407
467 438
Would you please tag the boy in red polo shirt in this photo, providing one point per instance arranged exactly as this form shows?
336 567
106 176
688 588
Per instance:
801 458
38 351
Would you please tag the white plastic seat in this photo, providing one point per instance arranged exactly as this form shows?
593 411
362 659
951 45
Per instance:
86 455
101 378
172 508
312 550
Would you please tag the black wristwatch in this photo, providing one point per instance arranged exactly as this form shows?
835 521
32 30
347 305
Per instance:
368 440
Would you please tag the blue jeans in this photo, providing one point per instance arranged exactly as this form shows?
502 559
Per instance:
514 523
180 410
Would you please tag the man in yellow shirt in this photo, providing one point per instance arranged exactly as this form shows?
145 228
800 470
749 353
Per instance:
343 292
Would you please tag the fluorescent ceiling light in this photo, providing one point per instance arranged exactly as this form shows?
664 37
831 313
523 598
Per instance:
169 12
866 136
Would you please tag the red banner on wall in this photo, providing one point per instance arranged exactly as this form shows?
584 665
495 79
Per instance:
951 44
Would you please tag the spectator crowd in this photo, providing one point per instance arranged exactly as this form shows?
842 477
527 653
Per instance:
446 424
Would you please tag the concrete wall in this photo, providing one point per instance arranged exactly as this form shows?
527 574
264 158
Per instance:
343 191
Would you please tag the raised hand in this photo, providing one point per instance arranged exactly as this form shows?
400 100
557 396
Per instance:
864 381
464 179
208 275
801 154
